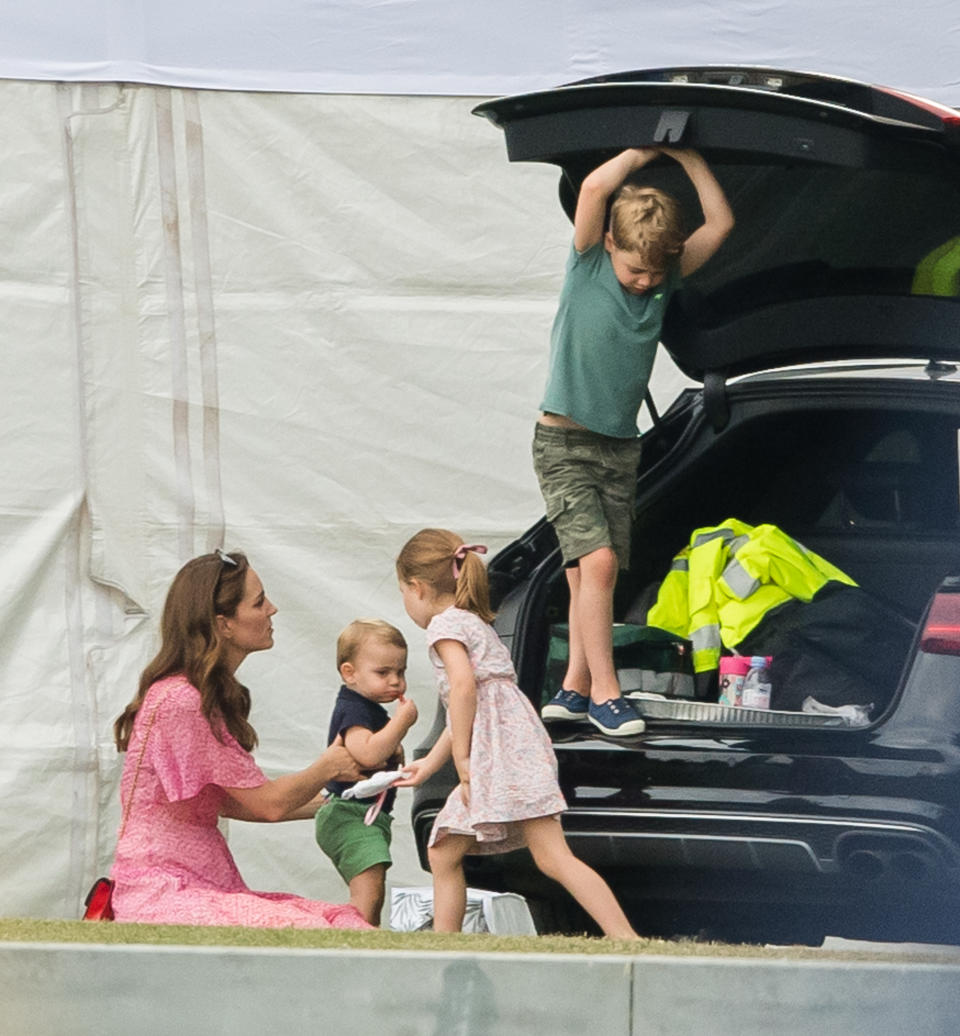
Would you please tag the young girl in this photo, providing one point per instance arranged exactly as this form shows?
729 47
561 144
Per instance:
508 795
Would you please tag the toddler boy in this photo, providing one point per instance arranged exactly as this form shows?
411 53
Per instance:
372 662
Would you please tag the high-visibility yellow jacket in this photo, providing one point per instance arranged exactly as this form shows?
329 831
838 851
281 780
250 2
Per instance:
939 272
725 581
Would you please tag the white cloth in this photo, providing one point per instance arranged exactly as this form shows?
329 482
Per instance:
373 785
442 47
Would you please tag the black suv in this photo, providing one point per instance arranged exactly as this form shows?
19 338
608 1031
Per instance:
824 335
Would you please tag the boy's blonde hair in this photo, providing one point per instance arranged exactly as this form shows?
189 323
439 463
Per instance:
429 556
647 221
352 638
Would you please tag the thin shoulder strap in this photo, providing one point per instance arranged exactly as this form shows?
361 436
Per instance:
136 775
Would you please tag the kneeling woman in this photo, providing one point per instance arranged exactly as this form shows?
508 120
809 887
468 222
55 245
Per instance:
188 741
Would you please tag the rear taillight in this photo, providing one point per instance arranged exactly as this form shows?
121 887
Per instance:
948 116
941 632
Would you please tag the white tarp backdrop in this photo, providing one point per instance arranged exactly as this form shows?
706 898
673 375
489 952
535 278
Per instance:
472 47
303 321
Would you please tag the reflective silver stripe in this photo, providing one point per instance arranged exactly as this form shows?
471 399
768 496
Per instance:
680 565
737 543
739 579
707 638
716 534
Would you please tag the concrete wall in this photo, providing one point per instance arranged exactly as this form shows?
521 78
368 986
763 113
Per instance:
54 989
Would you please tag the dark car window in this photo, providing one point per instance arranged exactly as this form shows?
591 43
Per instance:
856 472
810 230
874 491
900 484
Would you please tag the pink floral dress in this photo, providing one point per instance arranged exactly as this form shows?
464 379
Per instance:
172 864
513 771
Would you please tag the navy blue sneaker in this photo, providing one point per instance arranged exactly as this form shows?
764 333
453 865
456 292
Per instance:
616 717
565 705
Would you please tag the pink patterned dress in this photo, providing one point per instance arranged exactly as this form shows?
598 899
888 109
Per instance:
513 771
172 864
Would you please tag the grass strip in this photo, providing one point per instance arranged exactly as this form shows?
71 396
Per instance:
106 933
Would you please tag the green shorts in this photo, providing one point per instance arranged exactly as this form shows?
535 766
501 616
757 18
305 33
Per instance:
589 486
352 845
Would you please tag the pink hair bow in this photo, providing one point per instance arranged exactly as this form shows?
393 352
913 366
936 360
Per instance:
461 552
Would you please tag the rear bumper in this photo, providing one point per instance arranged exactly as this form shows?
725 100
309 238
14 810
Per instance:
653 855
681 871
771 845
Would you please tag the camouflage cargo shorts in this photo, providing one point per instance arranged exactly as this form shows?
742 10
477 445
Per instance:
589 486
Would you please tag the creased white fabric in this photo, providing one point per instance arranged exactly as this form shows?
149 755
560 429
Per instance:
459 47
357 291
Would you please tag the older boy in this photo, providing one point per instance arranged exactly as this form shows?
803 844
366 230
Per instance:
372 661
586 448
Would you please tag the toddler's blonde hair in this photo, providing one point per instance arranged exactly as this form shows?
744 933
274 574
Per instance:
352 638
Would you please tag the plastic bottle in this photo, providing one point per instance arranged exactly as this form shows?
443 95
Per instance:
756 684
733 671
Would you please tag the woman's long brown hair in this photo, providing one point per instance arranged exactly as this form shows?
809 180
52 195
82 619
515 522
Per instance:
190 644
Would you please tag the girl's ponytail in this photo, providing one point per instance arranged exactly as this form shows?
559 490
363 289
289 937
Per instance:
443 561
473 586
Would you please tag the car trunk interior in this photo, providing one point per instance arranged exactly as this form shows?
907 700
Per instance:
868 489
873 489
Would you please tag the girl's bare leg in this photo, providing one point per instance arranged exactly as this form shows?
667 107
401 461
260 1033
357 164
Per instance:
449 883
553 857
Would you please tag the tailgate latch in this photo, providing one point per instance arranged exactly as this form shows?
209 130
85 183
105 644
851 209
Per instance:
671 127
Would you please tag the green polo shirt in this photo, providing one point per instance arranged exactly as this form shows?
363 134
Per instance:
603 344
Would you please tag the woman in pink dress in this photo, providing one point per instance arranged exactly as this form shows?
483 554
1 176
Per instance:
188 741
508 795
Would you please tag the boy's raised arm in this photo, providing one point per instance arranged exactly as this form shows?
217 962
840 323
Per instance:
589 221
717 214
373 750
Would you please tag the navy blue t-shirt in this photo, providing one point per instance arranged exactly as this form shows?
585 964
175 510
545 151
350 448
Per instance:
353 710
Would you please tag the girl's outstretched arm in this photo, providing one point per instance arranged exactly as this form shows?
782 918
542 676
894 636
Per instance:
462 707
421 769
